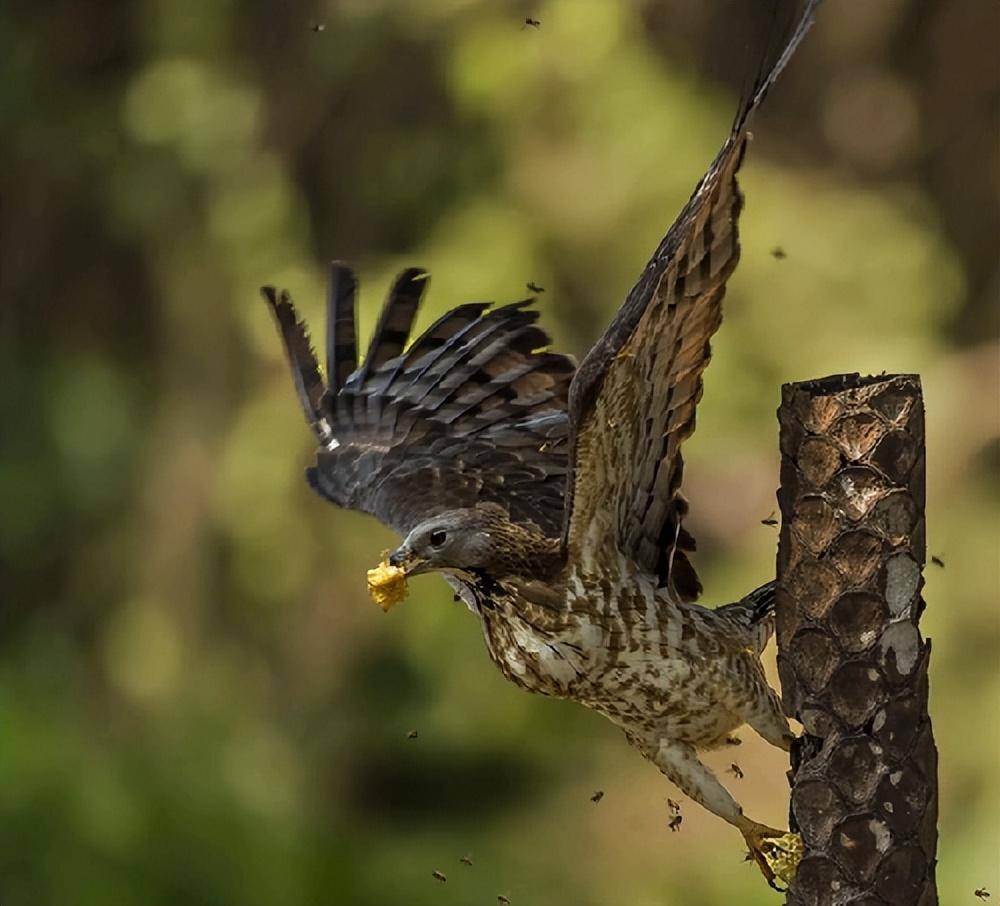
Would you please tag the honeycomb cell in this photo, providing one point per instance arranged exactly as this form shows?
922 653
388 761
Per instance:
814 585
899 651
818 882
815 523
818 460
902 579
858 618
856 491
857 434
857 556
900 877
859 843
857 765
856 691
814 656
895 455
900 800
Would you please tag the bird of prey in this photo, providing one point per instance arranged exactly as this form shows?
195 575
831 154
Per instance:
549 496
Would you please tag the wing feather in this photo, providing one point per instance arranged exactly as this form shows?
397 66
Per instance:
473 410
633 398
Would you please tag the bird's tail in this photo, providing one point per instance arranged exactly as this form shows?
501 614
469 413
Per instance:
755 615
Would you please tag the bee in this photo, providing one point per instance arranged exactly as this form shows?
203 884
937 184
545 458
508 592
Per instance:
771 521
675 823
982 893
412 734
778 253
733 741
528 21
317 27
597 797
502 900
675 807
736 771
466 860
534 288
438 876
937 561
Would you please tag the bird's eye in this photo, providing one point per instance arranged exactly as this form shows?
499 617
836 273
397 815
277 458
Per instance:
438 538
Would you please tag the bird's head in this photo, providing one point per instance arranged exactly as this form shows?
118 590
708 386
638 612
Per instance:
479 539
462 540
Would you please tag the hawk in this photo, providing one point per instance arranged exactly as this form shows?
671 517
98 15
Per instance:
548 495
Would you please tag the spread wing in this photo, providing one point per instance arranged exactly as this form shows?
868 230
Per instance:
633 399
471 411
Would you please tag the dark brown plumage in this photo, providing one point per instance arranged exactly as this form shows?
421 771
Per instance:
548 496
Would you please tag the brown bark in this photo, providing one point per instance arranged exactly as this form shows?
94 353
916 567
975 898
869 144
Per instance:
853 665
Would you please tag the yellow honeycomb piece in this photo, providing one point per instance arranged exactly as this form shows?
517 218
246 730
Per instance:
387 584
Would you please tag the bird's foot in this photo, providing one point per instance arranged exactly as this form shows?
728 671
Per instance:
775 852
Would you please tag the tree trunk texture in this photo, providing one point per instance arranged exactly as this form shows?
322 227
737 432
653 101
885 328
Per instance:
852 663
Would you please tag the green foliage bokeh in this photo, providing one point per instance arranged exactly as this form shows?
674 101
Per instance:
198 704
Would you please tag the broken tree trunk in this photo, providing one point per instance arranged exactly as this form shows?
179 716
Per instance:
852 663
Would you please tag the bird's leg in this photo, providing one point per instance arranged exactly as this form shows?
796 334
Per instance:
769 720
680 763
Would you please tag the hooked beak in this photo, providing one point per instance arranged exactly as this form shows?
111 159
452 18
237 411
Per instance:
405 559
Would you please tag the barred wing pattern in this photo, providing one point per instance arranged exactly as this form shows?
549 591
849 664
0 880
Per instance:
471 412
633 399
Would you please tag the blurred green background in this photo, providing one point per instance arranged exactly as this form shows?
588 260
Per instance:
198 704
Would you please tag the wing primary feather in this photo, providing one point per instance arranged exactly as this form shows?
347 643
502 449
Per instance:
394 324
341 326
442 330
299 352
660 336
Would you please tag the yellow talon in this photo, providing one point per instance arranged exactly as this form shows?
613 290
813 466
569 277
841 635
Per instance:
387 584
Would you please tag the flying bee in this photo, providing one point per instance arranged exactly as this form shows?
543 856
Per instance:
733 741
466 860
534 288
675 823
937 561
982 893
736 771
318 27
675 807
412 734
438 876
778 253
771 521
533 23
502 900
597 797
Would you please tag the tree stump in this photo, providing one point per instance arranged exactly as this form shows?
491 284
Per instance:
852 662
